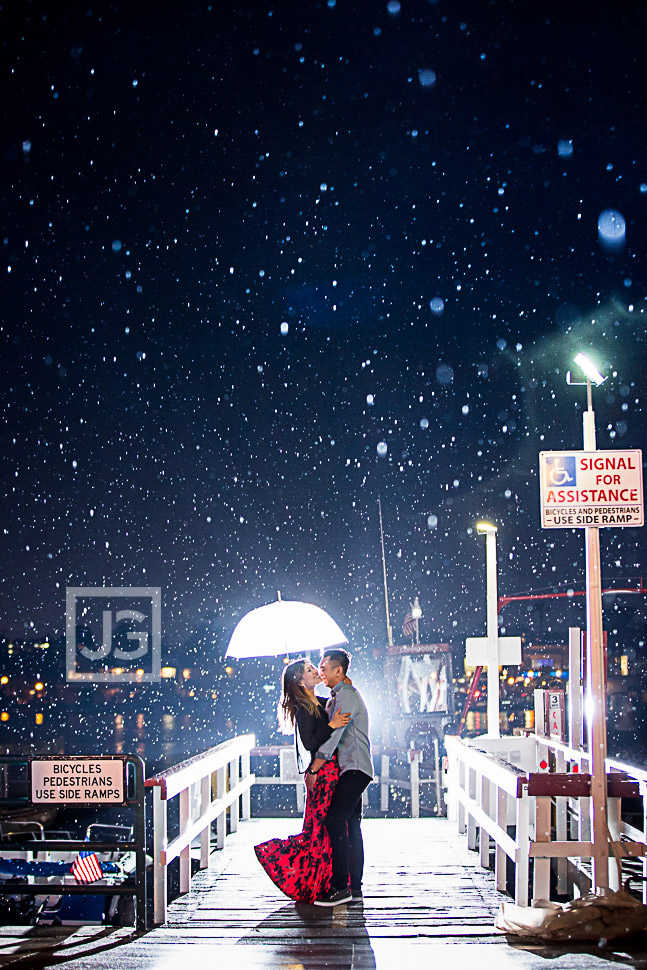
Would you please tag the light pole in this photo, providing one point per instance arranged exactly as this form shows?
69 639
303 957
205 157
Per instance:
597 722
416 615
490 531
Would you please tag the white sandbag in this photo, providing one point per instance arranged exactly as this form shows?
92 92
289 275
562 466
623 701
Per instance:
611 916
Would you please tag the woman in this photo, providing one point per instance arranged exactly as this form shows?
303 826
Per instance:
301 865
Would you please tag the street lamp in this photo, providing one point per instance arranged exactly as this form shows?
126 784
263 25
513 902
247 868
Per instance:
489 530
416 614
597 722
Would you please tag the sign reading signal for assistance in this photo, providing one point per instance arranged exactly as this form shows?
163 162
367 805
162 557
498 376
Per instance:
591 488
77 781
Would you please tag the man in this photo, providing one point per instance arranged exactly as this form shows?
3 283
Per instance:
353 747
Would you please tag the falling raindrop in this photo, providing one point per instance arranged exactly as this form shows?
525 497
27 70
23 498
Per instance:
437 305
611 229
444 374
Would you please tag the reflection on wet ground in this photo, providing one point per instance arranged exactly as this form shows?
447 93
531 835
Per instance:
426 902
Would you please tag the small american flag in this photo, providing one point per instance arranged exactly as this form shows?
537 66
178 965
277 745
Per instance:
86 868
409 626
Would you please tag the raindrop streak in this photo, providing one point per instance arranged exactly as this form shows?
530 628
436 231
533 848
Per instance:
432 521
565 147
382 449
116 245
284 329
611 229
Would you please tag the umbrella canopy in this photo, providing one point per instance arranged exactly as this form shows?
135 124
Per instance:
287 626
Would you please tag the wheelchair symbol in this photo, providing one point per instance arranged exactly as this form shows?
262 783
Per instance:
561 471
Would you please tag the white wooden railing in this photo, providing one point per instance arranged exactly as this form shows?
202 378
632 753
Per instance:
207 786
387 778
489 794
413 758
494 784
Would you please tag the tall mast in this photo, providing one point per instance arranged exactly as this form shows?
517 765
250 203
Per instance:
389 631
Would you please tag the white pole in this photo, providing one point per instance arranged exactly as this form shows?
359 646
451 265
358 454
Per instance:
575 687
492 636
597 727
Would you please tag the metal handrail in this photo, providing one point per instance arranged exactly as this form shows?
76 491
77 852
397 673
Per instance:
134 797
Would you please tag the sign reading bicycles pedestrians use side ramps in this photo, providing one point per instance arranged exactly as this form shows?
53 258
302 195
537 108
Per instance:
591 488
84 780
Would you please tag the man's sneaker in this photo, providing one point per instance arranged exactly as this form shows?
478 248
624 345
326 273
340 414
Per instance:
334 897
357 895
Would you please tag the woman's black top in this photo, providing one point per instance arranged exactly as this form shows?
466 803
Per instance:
313 729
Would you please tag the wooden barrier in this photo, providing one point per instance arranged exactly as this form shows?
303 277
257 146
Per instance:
488 796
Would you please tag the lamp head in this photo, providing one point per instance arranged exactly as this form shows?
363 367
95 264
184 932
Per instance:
486 528
589 370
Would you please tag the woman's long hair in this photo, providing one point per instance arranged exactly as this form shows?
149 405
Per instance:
294 696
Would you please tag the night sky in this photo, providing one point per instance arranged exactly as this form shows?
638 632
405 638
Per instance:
264 263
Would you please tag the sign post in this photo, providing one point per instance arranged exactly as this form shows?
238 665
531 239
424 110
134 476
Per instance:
593 489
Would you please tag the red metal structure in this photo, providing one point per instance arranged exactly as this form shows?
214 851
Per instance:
504 600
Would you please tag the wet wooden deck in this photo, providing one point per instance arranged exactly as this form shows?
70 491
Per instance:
423 890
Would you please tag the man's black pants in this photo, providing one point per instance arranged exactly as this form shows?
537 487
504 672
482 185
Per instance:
343 822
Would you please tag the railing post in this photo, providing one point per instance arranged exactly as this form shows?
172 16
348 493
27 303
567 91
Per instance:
561 821
414 774
643 791
613 809
500 858
484 838
461 787
234 808
437 776
301 796
221 821
185 854
584 824
471 824
384 783
522 850
205 835
244 774
541 871
160 831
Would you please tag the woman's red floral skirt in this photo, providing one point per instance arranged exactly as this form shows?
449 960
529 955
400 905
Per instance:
301 865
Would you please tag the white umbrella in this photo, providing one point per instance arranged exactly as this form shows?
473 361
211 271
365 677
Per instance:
284 627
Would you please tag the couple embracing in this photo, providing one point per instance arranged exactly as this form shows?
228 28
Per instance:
324 863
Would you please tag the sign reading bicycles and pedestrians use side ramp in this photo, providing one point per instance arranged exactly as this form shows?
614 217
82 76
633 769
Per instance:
591 488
